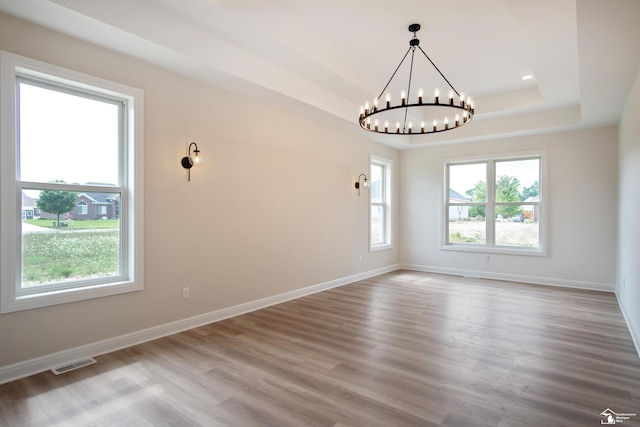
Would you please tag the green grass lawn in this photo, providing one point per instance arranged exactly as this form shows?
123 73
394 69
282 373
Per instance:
85 224
69 254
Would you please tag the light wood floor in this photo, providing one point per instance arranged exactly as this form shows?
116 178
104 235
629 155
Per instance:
401 349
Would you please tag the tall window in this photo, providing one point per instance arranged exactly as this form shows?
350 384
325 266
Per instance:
380 199
82 208
70 134
495 205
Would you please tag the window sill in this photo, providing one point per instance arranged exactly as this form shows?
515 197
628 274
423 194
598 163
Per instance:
495 250
380 247
13 303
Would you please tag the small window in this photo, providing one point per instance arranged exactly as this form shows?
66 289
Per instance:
71 135
380 201
495 205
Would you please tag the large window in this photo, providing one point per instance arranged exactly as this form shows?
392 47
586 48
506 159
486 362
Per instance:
495 205
380 199
66 135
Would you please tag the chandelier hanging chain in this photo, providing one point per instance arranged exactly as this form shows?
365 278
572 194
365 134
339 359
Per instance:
376 118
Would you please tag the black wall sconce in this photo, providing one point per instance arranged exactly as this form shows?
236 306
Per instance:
192 159
365 182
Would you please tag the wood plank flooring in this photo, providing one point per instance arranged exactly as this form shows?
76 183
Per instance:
401 349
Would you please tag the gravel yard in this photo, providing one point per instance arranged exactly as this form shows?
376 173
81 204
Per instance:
507 233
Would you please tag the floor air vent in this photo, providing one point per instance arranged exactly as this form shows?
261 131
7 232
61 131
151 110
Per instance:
72 366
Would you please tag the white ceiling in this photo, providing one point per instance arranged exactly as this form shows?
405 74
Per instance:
330 56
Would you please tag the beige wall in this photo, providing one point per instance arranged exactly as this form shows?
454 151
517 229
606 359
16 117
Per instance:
273 209
581 201
628 288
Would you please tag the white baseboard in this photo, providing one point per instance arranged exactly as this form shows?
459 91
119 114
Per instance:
633 328
577 284
44 363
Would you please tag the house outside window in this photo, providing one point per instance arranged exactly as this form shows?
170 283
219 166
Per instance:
496 204
380 204
67 132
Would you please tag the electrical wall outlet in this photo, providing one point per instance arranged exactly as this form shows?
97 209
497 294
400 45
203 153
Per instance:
186 292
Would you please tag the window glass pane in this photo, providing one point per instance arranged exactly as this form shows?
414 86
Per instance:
376 189
471 231
468 183
377 225
517 180
67 138
516 232
517 223
59 243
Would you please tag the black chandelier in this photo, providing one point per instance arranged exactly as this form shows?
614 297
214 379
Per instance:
431 117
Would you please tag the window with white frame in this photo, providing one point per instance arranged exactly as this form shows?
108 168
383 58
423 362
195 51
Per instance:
495 205
69 134
380 200
82 208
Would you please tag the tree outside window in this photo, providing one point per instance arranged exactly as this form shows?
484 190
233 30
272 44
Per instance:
56 202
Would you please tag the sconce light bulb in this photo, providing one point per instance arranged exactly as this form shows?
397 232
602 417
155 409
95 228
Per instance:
197 159
366 183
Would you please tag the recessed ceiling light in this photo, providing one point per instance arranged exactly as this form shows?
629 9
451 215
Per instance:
527 77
